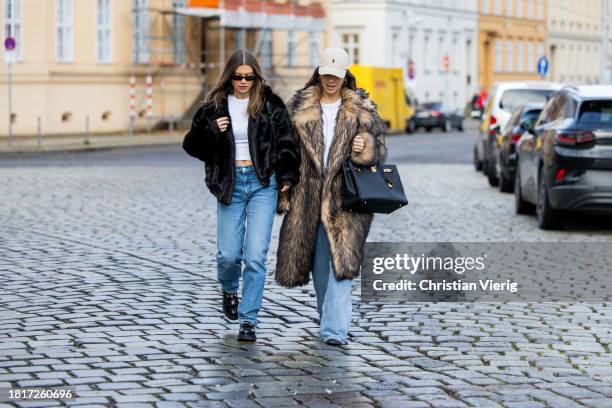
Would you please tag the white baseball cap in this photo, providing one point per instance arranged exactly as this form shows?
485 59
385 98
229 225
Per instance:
334 61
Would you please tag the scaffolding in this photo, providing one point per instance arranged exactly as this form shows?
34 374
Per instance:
176 40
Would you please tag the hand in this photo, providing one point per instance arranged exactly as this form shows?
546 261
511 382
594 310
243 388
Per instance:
284 188
222 123
358 144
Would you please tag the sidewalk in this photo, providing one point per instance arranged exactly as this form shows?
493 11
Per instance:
79 142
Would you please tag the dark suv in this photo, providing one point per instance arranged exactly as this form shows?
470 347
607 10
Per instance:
565 161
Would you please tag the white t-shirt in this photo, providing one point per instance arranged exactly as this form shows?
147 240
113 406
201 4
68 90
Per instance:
329 113
240 126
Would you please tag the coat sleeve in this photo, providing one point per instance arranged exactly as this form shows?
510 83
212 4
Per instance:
287 162
201 140
372 129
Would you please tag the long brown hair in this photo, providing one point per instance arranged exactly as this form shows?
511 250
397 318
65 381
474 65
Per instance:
349 82
223 88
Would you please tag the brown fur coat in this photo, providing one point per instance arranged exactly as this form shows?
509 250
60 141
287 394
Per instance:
317 197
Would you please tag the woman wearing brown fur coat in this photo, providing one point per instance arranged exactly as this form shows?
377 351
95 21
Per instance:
333 121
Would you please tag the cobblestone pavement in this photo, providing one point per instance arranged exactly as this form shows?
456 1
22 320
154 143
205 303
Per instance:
108 284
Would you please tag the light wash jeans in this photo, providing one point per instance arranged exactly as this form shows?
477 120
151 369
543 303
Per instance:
333 296
244 228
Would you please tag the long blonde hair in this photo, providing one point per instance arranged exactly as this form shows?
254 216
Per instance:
223 88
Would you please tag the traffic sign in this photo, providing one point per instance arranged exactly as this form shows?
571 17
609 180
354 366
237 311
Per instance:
543 66
410 69
9 44
445 63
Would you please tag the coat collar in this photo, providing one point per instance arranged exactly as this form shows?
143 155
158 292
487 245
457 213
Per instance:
305 108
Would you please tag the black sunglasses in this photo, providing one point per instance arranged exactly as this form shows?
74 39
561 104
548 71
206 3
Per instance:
248 78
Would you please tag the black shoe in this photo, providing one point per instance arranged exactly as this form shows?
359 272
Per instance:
230 305
247 332
333 342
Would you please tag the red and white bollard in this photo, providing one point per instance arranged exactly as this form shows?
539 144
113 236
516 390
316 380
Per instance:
132 104
149 81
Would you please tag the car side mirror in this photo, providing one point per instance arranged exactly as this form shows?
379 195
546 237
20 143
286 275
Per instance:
527 126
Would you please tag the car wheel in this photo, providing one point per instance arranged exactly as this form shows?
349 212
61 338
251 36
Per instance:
460 127
548 217
521 206
506 185
485 166
492 174
477 163
411 128
447 126
428 129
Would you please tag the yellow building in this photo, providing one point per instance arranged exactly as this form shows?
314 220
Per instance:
512 36
75 58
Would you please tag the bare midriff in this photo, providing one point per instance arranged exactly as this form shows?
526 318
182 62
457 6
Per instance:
242 163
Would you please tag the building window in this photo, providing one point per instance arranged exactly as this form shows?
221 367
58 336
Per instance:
141 30
540 7
485 6
178 33
509 56
314 48
541 50
291 49
441 52
350 42
529 7
498 7
509 7
530 57
63 23
519 8
520 55
498 56
266 48
103 31
12 23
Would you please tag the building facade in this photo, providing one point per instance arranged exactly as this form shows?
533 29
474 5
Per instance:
575 37
76 59
512 37
433 41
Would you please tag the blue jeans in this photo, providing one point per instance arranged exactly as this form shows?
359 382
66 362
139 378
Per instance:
244 228
333 295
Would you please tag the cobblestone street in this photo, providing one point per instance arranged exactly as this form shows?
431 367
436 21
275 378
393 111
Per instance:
108 284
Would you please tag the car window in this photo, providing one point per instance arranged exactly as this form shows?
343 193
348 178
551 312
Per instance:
513 98
596 113
530 115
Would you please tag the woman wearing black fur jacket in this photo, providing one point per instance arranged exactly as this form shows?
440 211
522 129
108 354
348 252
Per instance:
333 122
244 136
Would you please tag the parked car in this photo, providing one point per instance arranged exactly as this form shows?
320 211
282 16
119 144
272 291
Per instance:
438 115
503 99
565 161
503 146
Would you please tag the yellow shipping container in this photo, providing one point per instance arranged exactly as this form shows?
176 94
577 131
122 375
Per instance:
386 89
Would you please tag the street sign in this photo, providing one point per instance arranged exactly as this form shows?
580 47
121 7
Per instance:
543 66
10 52
410 69
9 44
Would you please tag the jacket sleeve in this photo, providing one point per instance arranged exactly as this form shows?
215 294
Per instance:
372 130
287 161
201 140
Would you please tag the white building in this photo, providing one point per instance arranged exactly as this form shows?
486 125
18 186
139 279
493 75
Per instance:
575 40
391 33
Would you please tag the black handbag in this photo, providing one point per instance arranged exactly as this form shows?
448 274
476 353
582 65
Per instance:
372 189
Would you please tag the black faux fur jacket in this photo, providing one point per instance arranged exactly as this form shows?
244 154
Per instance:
317 198
272 145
